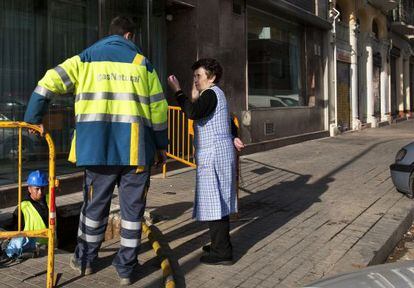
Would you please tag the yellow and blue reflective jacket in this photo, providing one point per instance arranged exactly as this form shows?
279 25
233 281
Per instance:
120 108
32 220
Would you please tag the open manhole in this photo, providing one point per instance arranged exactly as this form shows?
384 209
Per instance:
67 232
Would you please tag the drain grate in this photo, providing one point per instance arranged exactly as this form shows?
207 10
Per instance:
262 170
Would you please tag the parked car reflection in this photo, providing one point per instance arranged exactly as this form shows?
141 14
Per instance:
260 101
12 108
402 171
9 139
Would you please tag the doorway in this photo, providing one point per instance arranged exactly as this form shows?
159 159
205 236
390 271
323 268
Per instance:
376 86
343 96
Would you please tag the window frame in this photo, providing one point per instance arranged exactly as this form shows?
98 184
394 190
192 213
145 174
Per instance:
302 60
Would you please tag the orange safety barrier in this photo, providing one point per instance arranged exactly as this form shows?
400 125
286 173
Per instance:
180 138
49 232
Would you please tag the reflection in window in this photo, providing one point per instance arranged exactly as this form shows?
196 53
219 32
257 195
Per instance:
136 10
37 35
274 59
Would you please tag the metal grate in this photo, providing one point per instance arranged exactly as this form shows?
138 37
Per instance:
262 170
269 128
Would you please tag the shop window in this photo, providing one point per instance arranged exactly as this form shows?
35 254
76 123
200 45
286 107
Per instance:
136 10
37 35
274 62
151 40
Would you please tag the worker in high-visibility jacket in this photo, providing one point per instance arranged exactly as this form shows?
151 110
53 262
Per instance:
121 124
34 216
34 205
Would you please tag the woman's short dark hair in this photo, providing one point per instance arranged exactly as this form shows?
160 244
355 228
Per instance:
212 67
121 25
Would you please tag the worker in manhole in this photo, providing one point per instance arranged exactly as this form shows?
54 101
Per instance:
34 216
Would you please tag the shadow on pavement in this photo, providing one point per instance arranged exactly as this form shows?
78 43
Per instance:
262 211
169 212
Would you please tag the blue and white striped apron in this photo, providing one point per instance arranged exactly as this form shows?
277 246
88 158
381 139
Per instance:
215 195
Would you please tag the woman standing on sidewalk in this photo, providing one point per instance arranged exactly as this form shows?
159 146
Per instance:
215 195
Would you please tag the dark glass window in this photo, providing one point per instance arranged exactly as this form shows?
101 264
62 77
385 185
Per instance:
375 30
274 61
37 35
136 10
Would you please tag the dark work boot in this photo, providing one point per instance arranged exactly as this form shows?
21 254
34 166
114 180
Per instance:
81 269
126 281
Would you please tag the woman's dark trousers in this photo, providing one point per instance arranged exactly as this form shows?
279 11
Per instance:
221 247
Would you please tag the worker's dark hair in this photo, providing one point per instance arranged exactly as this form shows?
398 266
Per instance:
212 66
121 25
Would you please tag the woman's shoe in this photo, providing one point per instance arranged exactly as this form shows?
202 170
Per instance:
210 260
206 248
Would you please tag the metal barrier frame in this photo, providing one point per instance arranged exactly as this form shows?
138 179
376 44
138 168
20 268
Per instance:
49 232
175 115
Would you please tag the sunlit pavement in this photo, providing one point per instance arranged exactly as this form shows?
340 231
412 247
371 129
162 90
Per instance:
306 211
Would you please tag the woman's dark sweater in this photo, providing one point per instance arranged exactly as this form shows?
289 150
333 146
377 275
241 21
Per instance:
202 107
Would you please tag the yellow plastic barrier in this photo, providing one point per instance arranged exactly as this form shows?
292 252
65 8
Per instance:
49 232
180 138
237 124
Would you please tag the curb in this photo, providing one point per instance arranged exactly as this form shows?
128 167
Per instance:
375 246
405 221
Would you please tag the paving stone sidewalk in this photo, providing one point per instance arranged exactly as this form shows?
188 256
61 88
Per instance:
307 211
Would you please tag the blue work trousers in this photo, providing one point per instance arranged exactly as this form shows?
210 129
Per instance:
99 185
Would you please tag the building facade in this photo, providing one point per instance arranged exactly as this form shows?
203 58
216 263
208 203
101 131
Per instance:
274 57
371 42
401 21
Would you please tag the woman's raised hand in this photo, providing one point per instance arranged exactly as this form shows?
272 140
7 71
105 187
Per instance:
238 144
194 93
174 83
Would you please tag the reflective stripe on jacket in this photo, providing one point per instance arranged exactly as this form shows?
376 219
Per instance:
32 220
120 108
